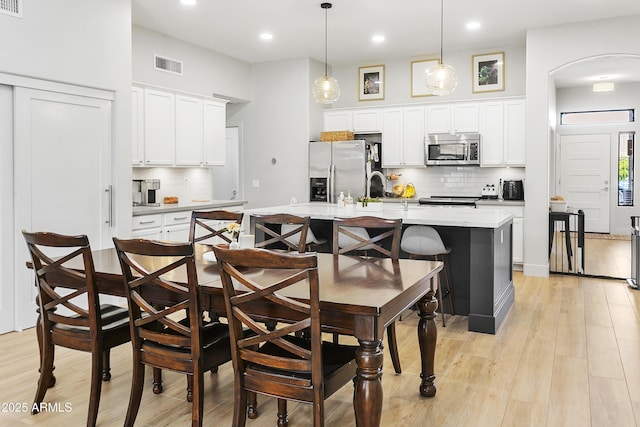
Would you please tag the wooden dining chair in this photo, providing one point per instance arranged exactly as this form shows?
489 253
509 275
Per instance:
70 313
168 337
279 229
202 229
277 362
370 234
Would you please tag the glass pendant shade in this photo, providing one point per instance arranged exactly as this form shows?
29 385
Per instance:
441 79
326 90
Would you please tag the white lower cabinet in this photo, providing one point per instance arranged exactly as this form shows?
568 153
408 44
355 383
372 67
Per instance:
147 226
517 231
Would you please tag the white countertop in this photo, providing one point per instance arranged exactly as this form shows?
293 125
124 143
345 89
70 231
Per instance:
186 206
425 215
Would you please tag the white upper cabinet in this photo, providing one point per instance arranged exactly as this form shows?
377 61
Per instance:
137 126
452 118
189 128
177 130
215 119
502 133
159 128
337 120
403 137
368 120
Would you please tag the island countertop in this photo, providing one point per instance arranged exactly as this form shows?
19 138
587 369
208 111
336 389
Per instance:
425 215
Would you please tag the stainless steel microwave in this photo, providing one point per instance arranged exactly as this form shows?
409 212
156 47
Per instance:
452 149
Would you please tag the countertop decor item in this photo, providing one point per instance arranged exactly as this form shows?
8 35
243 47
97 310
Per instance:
441 78
326 89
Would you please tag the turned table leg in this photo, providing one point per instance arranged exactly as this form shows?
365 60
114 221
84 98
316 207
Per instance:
427 335
367 399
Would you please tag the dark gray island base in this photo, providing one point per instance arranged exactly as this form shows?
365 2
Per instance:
480 262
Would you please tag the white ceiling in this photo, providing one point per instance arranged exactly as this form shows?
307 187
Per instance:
411 28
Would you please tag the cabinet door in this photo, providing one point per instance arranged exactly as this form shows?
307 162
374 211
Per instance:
159 127
148 233
215 121
518 240
367 121
337 120
188 131
176 233
465 117
413 137
392 137
492 133
514 132
137 126
438 118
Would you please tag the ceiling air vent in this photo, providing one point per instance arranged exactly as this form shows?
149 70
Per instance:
166 64
11 7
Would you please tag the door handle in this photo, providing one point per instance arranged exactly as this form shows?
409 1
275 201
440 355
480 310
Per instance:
605 189
109 191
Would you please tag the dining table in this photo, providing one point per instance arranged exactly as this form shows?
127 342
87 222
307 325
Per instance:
359 296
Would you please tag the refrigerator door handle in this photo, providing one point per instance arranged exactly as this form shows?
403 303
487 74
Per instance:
330 182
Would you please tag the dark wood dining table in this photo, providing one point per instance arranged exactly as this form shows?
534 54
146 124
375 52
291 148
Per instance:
359 296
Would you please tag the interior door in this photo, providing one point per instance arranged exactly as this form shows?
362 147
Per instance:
7 309
226 179
62 164
584 177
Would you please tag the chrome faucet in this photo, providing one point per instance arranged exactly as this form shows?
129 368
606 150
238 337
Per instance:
371 175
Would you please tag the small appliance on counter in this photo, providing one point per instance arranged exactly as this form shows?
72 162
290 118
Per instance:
513 190
489 191
144 192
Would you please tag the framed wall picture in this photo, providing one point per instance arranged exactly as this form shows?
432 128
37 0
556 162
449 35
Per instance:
371 86
488 72
418 72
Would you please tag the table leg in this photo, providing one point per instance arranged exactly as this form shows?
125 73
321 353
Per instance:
427 335
367 395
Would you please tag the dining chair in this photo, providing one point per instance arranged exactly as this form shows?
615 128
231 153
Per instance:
70 312
422 241
202 229
278 231
370 233
171 336
277 362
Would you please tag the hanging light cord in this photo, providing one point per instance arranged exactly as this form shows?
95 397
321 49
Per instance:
441 27
326 6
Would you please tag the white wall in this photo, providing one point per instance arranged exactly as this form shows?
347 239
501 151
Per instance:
205 72
584 99
548 49
275 125
398 79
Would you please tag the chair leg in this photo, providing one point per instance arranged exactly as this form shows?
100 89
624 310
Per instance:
96 387
198 397
393 347
239 405
448 281
157 380
137 382
283 417
335 338
190 388
252 405
46 368
106 365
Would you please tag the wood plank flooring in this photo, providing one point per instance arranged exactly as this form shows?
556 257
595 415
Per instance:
568 354
605 255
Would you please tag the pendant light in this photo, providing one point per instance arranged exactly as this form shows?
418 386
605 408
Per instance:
441 78
325 89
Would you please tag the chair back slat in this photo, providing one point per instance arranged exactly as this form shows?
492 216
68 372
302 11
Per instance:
274 237
65 278
211 225
357 233
258 277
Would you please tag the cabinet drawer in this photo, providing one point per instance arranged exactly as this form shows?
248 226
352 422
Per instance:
146 221
172 218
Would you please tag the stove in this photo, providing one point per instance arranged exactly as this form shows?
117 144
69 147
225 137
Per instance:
448 201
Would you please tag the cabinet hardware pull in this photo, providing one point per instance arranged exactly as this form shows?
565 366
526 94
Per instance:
147 222
180 218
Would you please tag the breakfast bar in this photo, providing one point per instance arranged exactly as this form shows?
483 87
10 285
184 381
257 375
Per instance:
480 242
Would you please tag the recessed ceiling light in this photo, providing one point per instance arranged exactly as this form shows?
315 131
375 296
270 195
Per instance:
188 2
378 38
474 25
266 36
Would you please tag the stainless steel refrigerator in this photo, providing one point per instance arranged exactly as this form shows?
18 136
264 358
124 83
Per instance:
334 167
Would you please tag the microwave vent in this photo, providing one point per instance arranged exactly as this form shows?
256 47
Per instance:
11 7
167 64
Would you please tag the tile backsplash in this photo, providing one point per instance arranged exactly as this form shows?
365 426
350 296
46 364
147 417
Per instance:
185 183
454 180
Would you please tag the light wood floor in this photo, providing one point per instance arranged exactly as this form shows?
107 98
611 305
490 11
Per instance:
568 354
606 255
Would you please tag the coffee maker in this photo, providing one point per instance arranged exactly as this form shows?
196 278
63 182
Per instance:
144 192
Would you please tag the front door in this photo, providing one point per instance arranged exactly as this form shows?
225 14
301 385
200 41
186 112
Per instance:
62 164
584 177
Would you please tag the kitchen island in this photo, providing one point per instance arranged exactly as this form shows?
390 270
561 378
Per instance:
480 242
